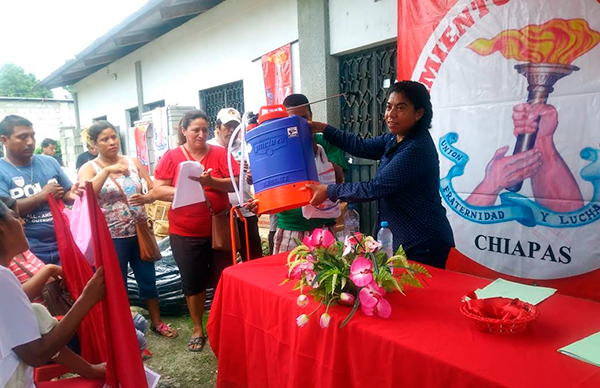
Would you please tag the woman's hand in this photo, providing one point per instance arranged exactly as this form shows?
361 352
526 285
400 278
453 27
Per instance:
95 289
205 179
252 205
118 168
317 127
319 193
139 200
55 271
249 176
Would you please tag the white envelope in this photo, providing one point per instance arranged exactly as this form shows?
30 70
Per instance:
187 191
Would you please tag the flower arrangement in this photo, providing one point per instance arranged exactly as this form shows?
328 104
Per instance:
354 273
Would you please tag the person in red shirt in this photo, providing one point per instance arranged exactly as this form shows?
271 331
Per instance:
190 227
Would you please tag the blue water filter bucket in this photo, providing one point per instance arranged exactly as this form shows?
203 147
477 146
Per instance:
282 160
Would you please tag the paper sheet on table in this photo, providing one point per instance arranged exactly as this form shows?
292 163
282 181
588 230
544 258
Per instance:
151 377
187 191
587 349
506 289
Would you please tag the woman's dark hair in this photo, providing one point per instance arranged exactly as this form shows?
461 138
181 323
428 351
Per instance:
416 93
96 129
6 204
187 120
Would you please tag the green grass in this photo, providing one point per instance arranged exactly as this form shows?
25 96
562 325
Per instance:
178 367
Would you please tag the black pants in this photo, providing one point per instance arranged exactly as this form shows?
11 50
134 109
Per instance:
430 252
253 238
199 265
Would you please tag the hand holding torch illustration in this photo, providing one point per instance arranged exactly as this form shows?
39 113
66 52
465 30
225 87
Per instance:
548 51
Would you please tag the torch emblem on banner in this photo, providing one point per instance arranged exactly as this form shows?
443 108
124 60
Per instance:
548 51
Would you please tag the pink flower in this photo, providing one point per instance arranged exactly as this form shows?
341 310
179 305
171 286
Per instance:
324 322
310 277
346 299
371 245
361 272
302 300
320 238
302 320
371 300
302 269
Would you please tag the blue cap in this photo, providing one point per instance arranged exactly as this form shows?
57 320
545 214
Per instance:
384 224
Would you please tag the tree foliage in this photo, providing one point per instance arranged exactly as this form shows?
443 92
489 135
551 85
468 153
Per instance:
14 82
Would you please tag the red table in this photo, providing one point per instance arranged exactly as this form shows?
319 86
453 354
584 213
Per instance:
425 343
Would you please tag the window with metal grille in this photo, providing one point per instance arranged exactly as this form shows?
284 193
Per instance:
224 96
134 114
369 73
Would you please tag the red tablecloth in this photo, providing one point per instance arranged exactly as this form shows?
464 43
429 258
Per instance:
425 343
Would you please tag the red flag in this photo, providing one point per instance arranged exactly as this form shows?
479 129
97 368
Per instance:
125 368
77 272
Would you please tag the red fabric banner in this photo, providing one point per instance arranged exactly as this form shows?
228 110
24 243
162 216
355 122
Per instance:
141 144
484 63
277 74
77 273
125 368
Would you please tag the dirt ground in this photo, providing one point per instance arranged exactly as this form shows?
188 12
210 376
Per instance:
178 367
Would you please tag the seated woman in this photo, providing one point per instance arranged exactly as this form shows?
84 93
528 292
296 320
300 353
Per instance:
32 273
29 336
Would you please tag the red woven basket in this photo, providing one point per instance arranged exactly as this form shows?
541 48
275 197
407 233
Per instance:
502 326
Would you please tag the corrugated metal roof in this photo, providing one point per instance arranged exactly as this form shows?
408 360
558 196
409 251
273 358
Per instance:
155 18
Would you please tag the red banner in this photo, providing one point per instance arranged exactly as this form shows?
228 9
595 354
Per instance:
277 73
141 144
523 205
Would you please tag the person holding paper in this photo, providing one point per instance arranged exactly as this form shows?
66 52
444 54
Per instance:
112 176
190 227
227 121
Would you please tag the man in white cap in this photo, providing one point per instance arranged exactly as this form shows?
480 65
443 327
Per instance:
227 121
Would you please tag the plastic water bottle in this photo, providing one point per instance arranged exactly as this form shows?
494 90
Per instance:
351 221
130 189
386 239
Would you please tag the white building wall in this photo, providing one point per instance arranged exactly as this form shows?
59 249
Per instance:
217 47
358 24
47 116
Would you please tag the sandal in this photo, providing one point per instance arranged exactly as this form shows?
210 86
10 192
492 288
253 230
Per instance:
165 330
196 344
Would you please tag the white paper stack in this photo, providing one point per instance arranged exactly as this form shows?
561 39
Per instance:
187 191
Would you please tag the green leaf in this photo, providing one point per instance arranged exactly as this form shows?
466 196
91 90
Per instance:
333 282
354 308
298 242
407 278
400 252
418 268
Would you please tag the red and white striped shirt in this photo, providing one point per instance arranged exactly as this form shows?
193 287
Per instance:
31 262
